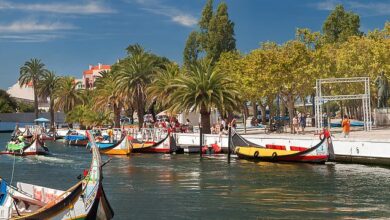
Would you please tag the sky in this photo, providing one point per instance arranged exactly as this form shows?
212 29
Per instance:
70 35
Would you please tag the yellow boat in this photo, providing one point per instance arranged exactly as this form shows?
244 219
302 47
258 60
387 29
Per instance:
272 152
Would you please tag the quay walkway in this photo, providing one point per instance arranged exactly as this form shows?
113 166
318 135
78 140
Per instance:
360 147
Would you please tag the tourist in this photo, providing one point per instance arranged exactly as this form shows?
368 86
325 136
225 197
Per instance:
110 134
302 123
346 124
295 125
213 129
233 123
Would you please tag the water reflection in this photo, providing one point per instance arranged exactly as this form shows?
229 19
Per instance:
148 186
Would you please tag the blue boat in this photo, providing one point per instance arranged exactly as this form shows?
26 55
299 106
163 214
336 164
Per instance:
353 124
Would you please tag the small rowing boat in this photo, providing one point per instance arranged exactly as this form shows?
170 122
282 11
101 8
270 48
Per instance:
85 200
22 148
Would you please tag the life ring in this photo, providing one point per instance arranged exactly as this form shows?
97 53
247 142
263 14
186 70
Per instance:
21 151
274 155
256 154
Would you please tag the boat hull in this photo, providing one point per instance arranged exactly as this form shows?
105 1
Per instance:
35 148
281 153
120 148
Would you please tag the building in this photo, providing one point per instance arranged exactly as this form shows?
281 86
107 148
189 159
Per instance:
25 94
89 76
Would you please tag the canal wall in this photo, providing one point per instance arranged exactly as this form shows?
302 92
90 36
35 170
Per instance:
348 150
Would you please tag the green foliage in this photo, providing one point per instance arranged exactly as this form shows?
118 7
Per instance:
340 25
220 36
66 95
202 88
216 35
135 73
7 103
161 86
191 50
31 72
25 107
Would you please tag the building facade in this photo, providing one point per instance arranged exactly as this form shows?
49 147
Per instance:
90 75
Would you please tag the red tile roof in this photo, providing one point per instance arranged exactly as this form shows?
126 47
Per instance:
102 67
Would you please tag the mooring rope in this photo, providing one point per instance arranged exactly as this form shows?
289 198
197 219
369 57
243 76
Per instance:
13 169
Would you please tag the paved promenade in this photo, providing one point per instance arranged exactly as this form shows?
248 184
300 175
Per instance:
357 133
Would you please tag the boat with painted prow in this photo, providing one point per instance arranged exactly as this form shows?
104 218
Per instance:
36 147
319 153
85 200
122 147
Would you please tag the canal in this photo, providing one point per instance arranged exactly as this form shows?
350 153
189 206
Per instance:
157 186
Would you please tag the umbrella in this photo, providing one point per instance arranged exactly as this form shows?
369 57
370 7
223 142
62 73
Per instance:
41 120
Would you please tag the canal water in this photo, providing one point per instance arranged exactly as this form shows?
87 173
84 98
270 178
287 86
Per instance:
157 186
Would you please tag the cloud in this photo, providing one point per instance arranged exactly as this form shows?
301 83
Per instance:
90 7
371 8
175 15
365 8
34 26
31 38
327 5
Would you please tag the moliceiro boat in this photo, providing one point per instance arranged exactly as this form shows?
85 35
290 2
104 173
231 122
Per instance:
122 147
153 141
85 200
319 153
22 148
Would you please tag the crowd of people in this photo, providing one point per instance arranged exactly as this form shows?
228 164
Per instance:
222 126
171 124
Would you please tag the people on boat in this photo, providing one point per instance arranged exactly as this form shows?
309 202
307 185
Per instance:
346 124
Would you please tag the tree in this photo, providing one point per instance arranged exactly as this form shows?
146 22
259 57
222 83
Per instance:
31 72
202 88
191 50
46 88
106 91
67 96
161 87
220 34
340 25
216 35
7 103
135 74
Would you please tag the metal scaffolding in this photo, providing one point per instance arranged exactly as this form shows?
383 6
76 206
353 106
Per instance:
321 99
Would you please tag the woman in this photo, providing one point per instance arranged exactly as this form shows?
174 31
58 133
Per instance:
346 124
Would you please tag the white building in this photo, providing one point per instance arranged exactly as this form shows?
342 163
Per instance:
26 94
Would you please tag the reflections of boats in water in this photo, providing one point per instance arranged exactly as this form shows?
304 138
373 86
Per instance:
150 186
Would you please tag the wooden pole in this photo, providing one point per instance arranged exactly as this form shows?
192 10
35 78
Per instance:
200 141
229 143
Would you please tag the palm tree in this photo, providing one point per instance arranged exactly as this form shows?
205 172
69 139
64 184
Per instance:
31 72
135 74
161 86
66 95
107 93
202 88
46 88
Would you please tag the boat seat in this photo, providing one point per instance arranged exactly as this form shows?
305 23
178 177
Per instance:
275 147
295 148
31 201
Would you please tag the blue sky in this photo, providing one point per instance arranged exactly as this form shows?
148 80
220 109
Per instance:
70 35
